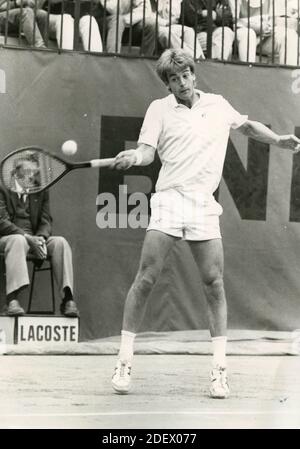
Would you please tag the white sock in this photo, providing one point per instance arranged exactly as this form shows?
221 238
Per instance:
219 351
126 348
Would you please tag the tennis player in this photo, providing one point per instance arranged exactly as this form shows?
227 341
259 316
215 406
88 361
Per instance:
190 130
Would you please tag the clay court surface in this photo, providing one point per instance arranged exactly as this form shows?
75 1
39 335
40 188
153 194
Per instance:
169 392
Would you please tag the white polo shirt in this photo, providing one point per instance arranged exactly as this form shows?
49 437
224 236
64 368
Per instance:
191 143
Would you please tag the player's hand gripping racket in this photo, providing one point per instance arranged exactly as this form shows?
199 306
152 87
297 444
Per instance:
33 169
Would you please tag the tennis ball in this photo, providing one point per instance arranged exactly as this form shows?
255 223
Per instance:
69 147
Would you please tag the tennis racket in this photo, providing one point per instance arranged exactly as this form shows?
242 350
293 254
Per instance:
33 169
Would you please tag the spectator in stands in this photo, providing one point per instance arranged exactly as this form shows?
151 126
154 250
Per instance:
287 14
134 14
171 34
25 226
194 13
57 27
56 23
255 32
20 20
88 26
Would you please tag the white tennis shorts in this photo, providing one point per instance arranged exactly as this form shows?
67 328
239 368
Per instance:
190 215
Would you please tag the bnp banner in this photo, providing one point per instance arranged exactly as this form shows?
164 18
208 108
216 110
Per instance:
100 103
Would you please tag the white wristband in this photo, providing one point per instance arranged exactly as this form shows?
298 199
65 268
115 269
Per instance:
138 158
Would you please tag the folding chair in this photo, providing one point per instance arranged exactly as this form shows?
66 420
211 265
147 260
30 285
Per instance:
38 266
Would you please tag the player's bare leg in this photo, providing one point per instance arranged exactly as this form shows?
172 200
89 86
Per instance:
210 260
155 250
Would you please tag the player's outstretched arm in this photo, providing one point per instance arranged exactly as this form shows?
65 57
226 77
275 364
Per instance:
262 133
143 155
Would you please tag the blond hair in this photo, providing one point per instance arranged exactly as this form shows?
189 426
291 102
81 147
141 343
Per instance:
173 61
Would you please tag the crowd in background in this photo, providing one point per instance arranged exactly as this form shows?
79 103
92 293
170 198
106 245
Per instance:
245 30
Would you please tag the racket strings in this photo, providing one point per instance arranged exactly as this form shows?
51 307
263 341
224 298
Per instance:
30 170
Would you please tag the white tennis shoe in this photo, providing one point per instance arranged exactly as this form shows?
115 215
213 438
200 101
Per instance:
121 378
219 388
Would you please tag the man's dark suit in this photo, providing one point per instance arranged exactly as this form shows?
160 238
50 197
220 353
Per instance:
40 216
14 244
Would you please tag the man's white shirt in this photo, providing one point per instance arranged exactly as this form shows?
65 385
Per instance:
191 143
22 193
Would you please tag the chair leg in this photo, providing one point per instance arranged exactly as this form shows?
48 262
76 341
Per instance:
3 275
40 312
31 289
52 289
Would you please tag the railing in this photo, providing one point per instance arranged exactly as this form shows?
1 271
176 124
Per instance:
263 31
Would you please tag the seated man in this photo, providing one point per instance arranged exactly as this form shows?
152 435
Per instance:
194 13
20 19
171 34
140 19
254 22
25 226
287 14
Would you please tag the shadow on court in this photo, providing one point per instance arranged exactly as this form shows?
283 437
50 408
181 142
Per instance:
169 391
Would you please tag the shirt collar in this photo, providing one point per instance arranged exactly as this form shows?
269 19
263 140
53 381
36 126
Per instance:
19 190
173 102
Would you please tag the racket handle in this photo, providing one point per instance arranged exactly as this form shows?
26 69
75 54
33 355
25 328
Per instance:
97 163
